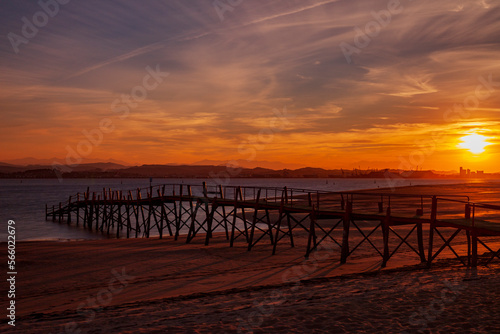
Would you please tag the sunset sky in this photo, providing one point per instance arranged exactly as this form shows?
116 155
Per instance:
319 83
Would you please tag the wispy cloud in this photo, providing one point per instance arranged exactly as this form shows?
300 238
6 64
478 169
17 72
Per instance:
227 77
290 12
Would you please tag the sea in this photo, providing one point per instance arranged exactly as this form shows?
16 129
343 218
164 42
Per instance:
23 201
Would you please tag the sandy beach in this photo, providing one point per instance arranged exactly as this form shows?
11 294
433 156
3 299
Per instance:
158 286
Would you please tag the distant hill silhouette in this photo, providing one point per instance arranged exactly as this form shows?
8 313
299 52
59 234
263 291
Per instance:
276 165
221 172
48 162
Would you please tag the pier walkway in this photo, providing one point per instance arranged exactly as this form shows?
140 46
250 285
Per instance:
383 220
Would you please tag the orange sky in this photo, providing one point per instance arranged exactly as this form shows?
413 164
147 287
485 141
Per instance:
329 84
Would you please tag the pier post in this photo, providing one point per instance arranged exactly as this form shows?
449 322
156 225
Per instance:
119 216
163 214
269 226
210 219
474 248
127 210
420 237
235 214
109 213
177 214
385 232
91 212
209 214
278 224
222 197
150 212
238 194
243 215
311 241
192 214
69 211
205 190
345 236
474 238
136 211
97 209
432 226
86 209
254 221
77 209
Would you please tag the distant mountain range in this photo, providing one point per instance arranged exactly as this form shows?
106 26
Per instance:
88 162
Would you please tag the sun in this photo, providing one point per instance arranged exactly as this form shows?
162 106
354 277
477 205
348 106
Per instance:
474 143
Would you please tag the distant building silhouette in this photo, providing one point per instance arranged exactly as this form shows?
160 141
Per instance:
467 173
462 172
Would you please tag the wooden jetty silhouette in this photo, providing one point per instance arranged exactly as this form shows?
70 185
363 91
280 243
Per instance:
256 214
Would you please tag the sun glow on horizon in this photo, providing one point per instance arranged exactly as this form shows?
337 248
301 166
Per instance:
475 143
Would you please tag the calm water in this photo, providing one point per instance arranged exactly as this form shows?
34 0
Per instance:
24 200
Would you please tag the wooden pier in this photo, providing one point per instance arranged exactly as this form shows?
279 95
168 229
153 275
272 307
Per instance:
265 214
